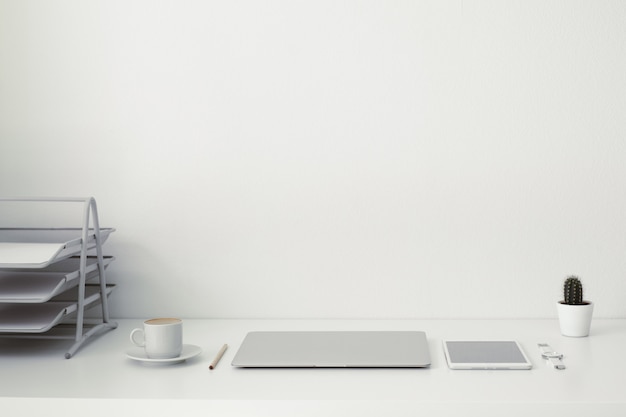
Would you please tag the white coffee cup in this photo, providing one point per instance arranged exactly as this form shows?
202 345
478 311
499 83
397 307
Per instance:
162 338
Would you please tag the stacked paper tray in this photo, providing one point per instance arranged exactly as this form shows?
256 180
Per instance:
39 318
40 285
38 248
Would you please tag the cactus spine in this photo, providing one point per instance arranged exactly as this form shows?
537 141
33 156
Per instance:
573 291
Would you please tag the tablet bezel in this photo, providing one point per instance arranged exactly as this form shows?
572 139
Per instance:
492 365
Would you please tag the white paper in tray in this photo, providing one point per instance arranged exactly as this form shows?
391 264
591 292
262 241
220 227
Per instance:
38 248
28 253
34 288
31 318
39 285
39 318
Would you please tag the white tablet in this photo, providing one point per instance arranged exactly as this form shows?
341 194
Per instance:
480 354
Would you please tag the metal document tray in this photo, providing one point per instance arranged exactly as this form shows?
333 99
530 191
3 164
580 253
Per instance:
40 285
39 318
38 248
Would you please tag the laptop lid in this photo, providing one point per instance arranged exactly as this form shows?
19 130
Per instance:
322 349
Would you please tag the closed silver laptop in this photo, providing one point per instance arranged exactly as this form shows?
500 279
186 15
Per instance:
335 349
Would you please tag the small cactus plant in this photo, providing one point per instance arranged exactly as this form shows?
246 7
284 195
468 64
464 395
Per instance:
573 291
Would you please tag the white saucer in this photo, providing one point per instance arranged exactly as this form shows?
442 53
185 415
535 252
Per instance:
139 354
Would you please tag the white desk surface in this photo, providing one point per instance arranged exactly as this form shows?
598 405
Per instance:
35 376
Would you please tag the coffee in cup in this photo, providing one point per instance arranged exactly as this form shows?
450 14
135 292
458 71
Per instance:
162 338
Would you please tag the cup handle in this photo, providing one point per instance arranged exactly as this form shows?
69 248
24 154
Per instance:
141 343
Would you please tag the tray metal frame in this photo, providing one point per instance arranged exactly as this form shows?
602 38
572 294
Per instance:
90 238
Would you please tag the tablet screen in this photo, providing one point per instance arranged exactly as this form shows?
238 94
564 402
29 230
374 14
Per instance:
500 354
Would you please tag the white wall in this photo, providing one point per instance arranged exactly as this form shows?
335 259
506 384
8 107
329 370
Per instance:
329 158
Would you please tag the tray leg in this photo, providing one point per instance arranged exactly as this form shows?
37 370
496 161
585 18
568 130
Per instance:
96 329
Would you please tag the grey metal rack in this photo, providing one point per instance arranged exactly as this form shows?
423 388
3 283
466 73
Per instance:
44 274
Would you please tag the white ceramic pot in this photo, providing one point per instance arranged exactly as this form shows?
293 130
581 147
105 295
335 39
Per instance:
575 320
